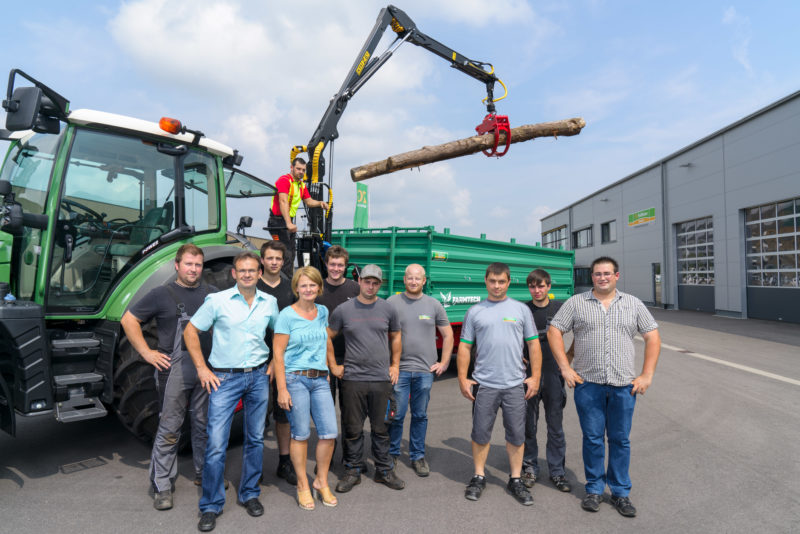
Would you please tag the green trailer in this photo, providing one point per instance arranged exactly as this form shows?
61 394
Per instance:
455 264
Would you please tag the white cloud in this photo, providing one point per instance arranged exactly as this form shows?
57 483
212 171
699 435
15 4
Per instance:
742 33
597 96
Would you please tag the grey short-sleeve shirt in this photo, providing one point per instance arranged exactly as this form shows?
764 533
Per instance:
498 329
418 321
366 330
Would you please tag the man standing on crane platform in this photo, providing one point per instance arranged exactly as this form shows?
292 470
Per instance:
291 190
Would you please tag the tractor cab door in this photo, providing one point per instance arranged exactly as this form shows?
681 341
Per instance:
118 198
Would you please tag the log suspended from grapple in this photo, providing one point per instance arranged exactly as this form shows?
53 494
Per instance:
463 147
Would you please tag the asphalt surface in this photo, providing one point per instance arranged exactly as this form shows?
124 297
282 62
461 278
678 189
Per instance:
714 449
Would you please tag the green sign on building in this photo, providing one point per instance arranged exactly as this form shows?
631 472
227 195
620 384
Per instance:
642 217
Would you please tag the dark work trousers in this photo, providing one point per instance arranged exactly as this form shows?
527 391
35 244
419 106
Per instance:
554 397
279 232
336 385
179 391
359 400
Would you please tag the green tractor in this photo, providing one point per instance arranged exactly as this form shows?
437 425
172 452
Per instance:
93 207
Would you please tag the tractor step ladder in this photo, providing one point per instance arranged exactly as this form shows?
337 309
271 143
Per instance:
78 406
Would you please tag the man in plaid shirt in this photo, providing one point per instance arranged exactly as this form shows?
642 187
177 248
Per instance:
604 322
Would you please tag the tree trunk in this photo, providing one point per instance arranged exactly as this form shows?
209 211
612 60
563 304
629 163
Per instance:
463 147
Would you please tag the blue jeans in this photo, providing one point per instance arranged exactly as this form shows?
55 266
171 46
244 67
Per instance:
253 389
416 388
311 398
606 410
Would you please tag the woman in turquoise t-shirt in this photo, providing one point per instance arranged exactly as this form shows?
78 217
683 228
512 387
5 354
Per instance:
302 353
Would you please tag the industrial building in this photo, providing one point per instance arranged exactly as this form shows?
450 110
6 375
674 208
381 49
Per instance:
713 227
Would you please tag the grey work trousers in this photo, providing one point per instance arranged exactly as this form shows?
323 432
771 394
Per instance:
179 391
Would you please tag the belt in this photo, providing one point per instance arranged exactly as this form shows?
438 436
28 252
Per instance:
311 373
238 369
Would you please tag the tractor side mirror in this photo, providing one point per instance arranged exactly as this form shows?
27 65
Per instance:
24 111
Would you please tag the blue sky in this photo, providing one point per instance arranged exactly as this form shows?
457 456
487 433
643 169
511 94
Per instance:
648 78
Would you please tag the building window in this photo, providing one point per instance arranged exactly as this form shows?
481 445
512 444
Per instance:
556 238
583 276
608 232
772 244
582 238
696 252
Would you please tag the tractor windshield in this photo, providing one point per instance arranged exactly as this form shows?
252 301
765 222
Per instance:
118 196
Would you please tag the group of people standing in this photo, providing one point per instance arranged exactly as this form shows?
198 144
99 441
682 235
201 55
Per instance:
308 342
501 337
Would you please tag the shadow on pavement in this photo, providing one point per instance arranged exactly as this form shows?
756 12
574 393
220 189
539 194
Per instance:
775 331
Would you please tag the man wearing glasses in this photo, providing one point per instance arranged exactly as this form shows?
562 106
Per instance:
604 322
240 317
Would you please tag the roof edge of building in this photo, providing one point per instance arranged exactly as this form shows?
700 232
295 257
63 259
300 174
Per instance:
678 152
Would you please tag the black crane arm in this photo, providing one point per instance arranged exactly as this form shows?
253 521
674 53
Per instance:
366 65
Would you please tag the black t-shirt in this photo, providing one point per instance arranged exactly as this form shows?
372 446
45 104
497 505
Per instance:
282 292
159 304
331 297
542 318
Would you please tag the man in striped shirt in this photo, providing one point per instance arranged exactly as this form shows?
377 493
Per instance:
604 322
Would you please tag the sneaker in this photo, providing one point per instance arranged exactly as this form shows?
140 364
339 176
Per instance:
561 483
286 471
623 506
163 500
389 479
351 478
421 467
475 488
528 477
519 491
591 503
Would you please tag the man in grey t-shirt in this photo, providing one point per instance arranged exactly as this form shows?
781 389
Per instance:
371 326
420 316
497 327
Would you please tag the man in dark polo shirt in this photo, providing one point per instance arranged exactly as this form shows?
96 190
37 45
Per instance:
274 282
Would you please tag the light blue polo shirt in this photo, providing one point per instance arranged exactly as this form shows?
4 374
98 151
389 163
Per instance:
239 329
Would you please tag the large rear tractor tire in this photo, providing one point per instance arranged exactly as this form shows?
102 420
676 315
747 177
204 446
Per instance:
135 396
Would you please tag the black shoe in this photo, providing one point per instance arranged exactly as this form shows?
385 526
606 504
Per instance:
163 500
351 478
253 507
198 481
528 477
623 506
519 491
286 471
475 487
591 503
561 483
208 520
421 467
389 479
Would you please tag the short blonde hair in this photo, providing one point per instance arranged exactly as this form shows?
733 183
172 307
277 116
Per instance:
309 272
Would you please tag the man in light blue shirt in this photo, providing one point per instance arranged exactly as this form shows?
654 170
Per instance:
235 370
